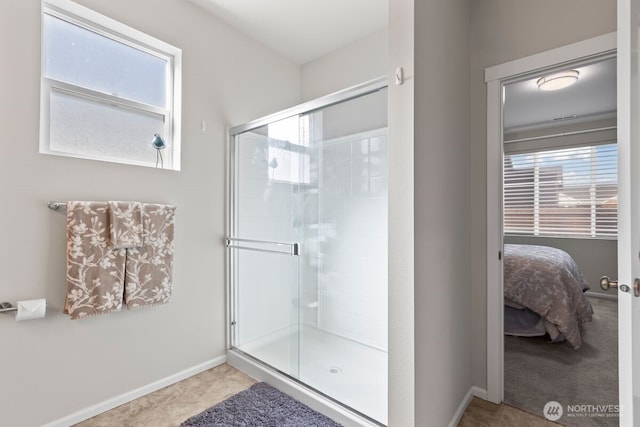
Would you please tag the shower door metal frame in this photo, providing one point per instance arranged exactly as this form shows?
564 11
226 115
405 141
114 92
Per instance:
231 177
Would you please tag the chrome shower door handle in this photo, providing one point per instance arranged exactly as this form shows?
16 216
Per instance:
286 248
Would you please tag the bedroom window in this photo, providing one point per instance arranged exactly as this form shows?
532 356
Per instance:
107 89
569 192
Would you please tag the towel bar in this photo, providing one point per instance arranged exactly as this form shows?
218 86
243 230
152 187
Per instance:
56 205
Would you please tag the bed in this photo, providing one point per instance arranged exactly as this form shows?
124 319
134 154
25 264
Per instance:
544 293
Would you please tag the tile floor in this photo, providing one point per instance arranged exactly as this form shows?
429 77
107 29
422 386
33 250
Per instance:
171 405
481 413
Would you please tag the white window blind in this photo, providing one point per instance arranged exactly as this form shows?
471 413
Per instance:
570 192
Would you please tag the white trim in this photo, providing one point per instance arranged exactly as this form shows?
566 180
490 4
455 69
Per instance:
601 295
480 393
109 404
315 401
474 391
552 58
495 77
84 13
495 311
627 104
228 222
457 416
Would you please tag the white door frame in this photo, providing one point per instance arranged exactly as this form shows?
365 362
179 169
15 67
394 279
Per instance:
496 77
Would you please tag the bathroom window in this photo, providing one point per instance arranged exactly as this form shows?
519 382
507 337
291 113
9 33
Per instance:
288 155
107 89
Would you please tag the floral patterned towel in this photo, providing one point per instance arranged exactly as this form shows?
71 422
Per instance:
95 270
149 268
125 226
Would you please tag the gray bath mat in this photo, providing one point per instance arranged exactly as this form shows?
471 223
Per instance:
260 406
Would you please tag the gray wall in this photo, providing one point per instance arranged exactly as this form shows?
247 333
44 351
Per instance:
362 60
501 31
441 165
429 293
53 367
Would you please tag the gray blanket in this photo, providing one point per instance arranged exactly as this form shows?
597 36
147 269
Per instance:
547 281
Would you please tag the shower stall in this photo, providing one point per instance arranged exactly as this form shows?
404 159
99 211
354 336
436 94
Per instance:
307 248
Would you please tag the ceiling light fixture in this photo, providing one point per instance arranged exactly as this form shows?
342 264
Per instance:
558 80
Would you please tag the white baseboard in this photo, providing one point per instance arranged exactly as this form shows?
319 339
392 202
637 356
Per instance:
613 296
99 408
457 416
473 391
480 393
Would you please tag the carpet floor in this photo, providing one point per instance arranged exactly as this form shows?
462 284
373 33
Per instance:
536 371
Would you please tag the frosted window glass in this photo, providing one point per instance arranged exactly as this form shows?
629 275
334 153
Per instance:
290 129
93 129
75 55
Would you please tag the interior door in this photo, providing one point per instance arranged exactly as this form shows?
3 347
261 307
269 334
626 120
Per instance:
629 211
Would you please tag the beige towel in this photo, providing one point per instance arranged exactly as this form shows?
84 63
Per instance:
95 270
149 268
125 226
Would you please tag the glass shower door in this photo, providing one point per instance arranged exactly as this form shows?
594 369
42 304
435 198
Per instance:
266 322
308 247
264 244
343 331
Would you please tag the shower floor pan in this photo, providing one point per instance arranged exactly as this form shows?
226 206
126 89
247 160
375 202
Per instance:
346 371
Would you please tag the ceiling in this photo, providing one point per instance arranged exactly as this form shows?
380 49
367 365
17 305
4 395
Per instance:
305 30
302 30
592 97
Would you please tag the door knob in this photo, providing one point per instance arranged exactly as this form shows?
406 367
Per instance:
606 283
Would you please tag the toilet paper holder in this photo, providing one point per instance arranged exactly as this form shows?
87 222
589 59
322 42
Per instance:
26 309
6 307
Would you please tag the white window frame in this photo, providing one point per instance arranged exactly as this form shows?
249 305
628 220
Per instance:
114 30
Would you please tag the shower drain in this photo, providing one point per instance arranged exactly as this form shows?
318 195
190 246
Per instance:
335 370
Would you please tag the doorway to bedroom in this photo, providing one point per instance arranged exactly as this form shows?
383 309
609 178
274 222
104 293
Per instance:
559 233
